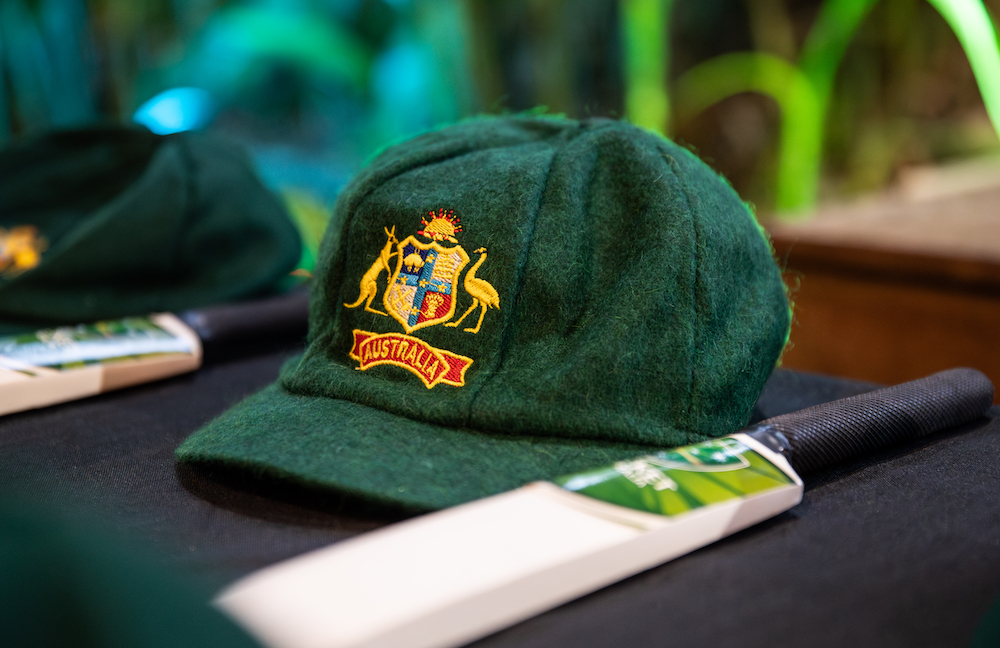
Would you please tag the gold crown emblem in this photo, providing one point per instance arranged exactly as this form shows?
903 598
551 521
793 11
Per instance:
443 226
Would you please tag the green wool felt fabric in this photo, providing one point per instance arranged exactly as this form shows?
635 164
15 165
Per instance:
620 298
66 583
129 222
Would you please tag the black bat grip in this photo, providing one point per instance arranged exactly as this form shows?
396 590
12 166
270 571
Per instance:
231 329
851 427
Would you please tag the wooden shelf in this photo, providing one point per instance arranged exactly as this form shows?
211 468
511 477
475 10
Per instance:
894 289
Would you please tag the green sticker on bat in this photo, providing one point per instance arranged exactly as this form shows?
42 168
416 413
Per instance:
69 347
680 480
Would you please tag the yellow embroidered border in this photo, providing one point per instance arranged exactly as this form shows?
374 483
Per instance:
431 365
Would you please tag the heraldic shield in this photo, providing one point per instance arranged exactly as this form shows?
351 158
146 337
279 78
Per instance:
423 288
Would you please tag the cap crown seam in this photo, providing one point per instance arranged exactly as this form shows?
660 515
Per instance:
506 335
695 278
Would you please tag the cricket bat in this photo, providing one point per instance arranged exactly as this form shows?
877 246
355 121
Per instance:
447 578
66 363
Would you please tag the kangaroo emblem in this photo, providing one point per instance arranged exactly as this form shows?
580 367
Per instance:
422 291
483 294
369 282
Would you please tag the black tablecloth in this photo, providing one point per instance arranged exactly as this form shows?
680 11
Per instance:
898 549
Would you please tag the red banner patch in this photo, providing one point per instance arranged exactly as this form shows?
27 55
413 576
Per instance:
431 365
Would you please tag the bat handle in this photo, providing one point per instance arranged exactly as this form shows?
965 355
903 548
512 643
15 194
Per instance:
826 434
284 317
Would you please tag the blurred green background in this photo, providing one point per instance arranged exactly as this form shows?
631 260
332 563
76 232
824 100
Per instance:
794 101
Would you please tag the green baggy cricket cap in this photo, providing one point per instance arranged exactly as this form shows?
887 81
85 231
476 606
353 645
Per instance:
102 223
513 299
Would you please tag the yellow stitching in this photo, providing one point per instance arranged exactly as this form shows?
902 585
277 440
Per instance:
483 293
369 282
400 298
433 366
413 261
434 301
442 226
429 284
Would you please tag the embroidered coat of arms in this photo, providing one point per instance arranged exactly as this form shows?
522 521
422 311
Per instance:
422 291
423 288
